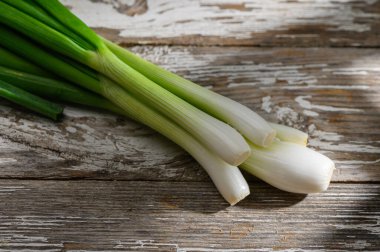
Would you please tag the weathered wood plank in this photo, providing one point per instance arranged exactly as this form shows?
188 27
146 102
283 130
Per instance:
234 22
87 144
184 216
333 94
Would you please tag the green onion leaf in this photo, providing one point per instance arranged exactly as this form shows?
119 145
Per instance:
56 89
30 101
33 9
46 59
10 60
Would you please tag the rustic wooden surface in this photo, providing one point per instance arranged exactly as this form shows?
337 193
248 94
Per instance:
57 188
184 217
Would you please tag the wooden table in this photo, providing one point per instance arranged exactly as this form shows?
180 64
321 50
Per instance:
96 181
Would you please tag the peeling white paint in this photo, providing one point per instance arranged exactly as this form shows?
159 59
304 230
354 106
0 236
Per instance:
28 239
310 113
246 250
354 164
283 114
304 103
71 129
316 65
294 36
148 244
36 245
266 104
286 114
327 141
331 141
7 160
350 72
344 147
324 87
152 244
323 135
12 189
356 68
358 244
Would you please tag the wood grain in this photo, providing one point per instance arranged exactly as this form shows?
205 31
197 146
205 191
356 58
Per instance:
179 216
309 23
333 94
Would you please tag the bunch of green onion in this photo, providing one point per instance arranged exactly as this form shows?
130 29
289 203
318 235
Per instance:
47 53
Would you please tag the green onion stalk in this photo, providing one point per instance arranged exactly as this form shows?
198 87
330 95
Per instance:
30 101
246 121
89 49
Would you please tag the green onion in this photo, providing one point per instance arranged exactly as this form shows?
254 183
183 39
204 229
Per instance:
250 124
55 89
288 134
12 61
219 137
227 178
290 167
30 101
34 10
46 59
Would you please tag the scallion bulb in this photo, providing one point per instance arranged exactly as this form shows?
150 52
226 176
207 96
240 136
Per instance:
290 167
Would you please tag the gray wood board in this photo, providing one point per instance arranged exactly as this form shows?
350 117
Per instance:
184 216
